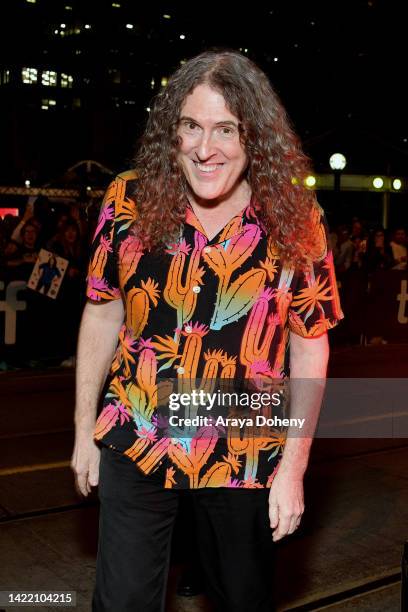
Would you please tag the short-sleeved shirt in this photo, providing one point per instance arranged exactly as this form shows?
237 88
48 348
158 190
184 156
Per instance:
200 309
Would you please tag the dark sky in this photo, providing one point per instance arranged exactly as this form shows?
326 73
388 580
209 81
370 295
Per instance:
339 67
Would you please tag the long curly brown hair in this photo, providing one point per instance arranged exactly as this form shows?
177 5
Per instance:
277 165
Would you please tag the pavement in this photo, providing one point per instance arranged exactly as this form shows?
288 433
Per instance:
345 556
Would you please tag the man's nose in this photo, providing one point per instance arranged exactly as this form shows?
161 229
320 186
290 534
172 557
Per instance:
205 148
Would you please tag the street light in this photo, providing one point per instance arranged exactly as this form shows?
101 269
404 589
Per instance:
337 163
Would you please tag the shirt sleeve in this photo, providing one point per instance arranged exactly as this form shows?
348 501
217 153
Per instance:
103 277
315 306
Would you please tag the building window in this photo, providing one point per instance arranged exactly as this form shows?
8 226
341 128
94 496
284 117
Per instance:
46 104
49 78
29 75
5 76
66 80
114 75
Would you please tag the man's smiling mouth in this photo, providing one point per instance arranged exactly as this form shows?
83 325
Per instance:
207 167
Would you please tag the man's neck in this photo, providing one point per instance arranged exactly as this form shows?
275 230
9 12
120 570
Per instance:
215 214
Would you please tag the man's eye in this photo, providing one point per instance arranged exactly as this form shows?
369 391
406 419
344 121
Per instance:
226 131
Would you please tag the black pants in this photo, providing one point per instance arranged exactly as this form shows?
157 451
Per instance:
135 526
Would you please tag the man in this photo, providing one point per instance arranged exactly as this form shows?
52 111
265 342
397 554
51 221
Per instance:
399 249
203 268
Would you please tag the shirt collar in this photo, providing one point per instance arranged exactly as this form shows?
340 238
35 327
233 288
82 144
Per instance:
249 214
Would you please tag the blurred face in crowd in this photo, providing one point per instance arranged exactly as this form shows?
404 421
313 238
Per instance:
70 234
29 236
379 239
10 249
342 235
62 221
400 236
211 155
356 229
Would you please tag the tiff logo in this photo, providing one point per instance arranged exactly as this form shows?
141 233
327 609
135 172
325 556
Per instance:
10 306
402 299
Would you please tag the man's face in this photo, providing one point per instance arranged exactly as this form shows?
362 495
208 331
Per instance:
30 236
399 236
211 154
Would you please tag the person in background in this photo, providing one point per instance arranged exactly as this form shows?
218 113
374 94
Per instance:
71 295
68 244
379 252
62 218
399 248
343 255
12 253
29 243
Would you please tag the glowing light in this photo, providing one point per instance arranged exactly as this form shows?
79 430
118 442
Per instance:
310 181
182 36
66 80
49 78
87 26
45 104
148 109
396 184
337 161
294 180
63 25
275 59
378 182
164 81
129 26
29 75
27 184
166 16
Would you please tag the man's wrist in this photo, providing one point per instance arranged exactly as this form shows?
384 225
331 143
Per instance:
292 472
84 426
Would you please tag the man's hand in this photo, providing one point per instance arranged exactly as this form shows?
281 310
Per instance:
85 463
286 504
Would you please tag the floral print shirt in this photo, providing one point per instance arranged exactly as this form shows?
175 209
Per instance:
200 309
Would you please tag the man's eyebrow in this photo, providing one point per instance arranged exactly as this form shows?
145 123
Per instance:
226 122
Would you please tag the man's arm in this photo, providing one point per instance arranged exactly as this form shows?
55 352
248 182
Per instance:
308 360
98 335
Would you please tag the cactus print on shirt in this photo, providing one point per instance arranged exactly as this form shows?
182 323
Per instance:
200 309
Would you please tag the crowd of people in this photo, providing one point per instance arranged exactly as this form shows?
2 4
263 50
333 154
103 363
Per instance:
356 247
63 229
66 231
361 256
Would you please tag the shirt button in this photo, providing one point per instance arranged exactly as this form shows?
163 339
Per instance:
188 329
196 289
180 370
207 249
